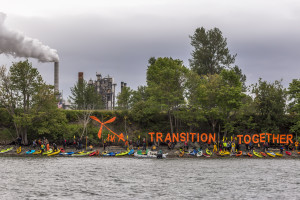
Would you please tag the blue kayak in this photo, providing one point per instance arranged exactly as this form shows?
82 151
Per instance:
30 151
131 152
110 154
66 153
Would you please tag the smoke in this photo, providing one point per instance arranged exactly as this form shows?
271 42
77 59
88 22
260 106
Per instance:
18 45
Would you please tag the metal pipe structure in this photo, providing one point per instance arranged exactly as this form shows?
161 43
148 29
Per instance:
56 77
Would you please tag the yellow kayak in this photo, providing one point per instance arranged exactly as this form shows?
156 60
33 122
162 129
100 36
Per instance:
54 153
278 154
270 153
19 150
48 152
37 152
208 152
257 154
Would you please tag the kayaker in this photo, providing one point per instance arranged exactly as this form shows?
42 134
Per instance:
186 147
104 144
232 147
42 148
296 145
34 144
54 147
144 144
215 147
19 140
64 143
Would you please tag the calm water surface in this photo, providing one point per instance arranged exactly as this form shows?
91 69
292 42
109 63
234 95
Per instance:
131 178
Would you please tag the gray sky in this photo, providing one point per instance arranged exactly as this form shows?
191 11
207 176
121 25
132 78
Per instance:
117 37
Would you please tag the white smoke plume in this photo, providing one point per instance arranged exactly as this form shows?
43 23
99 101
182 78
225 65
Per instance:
17 44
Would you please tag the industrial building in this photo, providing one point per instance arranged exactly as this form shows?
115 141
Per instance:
104 86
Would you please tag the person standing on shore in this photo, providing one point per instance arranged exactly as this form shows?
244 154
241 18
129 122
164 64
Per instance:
144 144
104 144
64 143
296 145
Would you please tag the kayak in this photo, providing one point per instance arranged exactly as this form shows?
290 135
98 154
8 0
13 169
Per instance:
123 153
206 155
181 154
30 151
62 150
140 155
93 153
200 153
270 153
82 153
19 150
66 153
193 153
48 152
257 154
249 154
6 150
110 154
288 153
278 154
264 154
54 153
37 152
131 152
208 152
239 153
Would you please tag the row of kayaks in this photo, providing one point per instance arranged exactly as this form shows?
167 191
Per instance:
61 152
208 153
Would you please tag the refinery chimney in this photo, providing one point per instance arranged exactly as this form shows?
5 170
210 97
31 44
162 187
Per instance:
56 77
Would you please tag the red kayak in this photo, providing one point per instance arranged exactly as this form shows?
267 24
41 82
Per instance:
206 155
62 150
264 154
239 153
249 154
93 153
288 153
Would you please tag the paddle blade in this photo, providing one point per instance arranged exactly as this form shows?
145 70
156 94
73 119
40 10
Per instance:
96 119
100 132
110 121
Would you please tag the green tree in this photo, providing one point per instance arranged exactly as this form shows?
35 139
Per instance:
166 84
218 97
85 97
24 94
211 54
294 105
270 104
124 98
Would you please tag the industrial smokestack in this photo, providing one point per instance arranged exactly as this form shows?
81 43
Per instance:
56 77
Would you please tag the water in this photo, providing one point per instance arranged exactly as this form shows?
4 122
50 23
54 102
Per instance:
132 178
